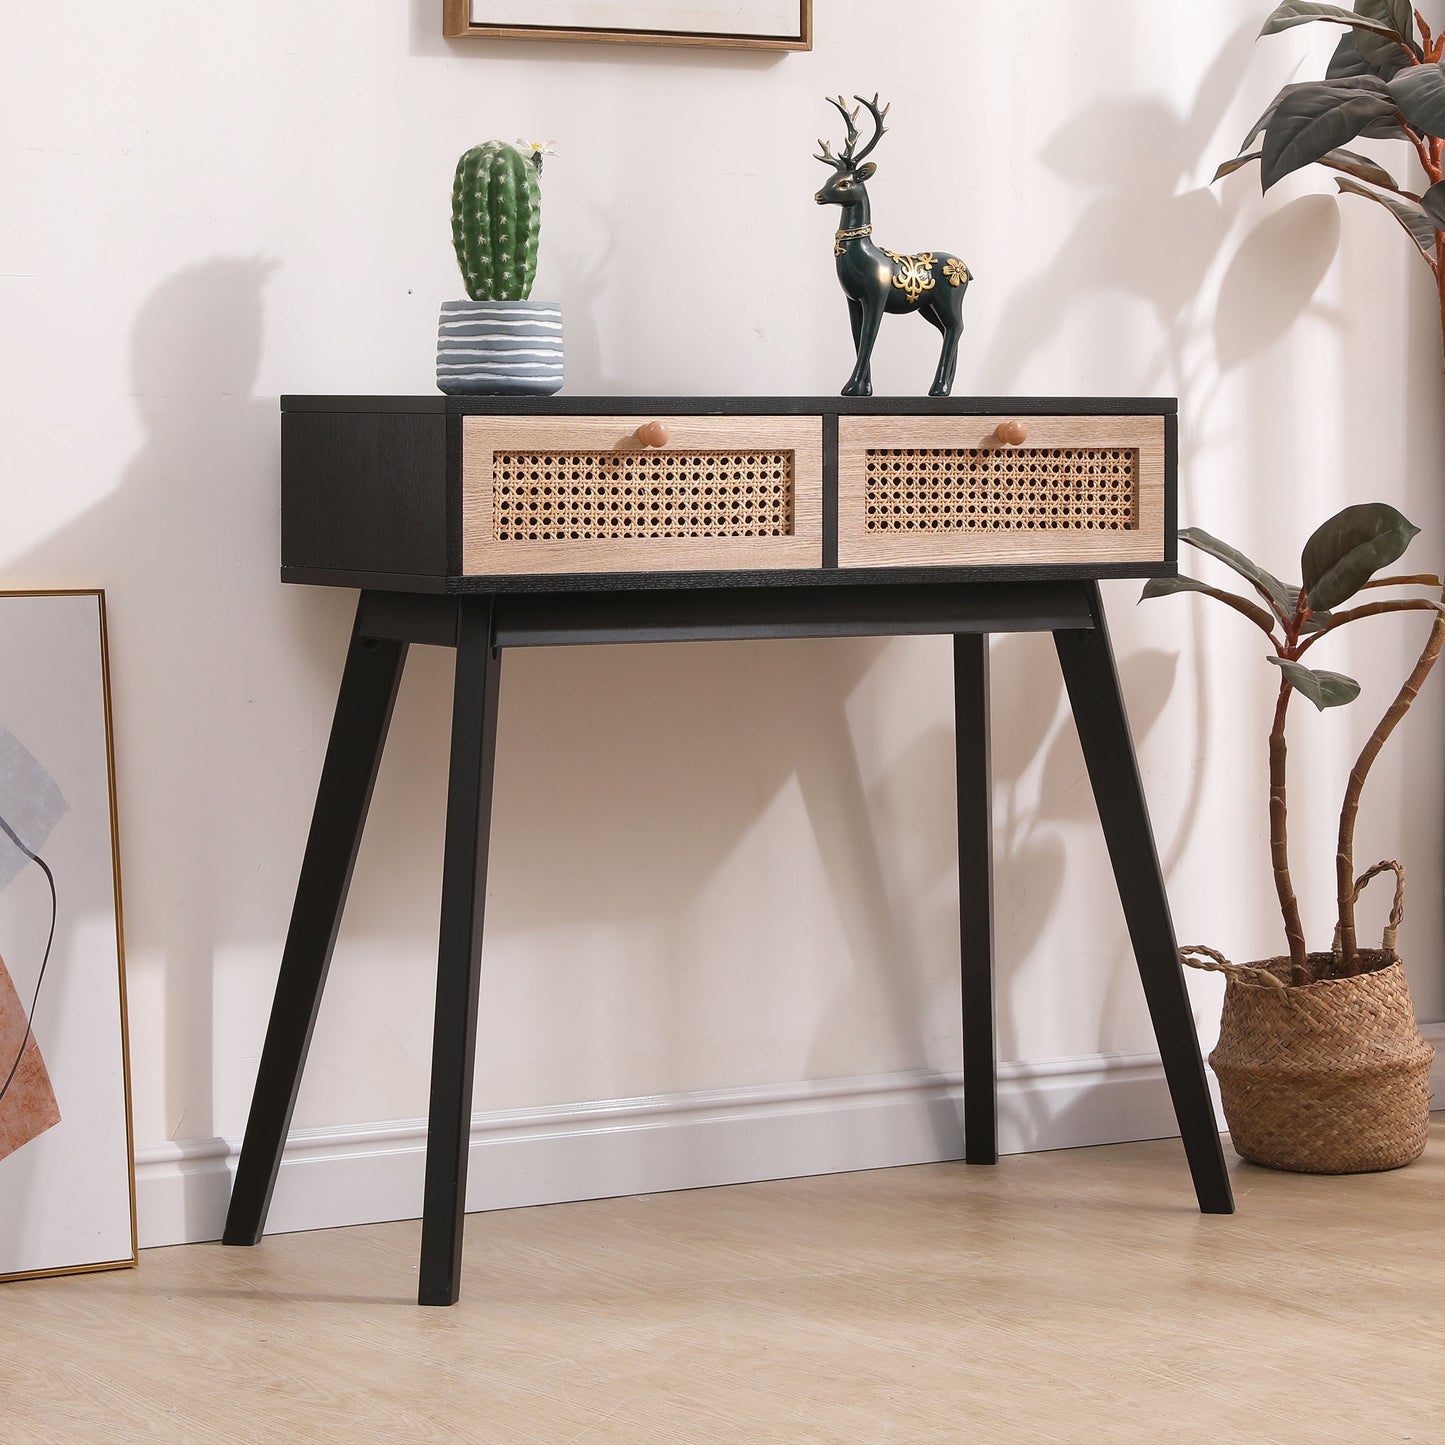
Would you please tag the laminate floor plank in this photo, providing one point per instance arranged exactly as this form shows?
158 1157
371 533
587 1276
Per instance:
1065 1298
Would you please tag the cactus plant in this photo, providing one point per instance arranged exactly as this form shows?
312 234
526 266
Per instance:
496 221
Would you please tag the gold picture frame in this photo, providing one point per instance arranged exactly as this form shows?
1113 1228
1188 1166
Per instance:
460 18
67 1148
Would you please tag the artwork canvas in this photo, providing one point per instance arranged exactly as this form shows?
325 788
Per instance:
779 24
67 1181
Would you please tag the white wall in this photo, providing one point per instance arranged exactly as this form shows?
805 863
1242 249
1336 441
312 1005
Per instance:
726 868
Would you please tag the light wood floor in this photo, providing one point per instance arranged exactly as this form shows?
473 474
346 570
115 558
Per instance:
1074 1296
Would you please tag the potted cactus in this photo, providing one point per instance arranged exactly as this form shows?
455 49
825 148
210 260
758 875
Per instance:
499 342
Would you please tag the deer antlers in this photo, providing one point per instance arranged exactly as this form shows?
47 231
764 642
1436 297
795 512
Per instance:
849 160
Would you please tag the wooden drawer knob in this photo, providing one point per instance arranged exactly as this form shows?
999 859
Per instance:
1011 433
653 434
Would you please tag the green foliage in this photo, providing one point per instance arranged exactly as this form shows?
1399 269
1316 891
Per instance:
1324 689
1385 81
1283 599
1312 120
1301 12
1411 216
1349 549
1340 560
496 221
1419 91
1164 586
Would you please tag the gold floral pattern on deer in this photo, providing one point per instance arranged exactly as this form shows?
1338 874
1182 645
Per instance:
955 272
914 275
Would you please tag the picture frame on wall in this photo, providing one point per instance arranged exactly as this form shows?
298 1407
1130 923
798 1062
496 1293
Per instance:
746 24
67 1175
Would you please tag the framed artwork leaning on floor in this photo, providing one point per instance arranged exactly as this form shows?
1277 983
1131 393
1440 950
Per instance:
67 1179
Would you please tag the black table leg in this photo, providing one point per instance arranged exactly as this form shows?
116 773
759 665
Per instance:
464 892
975 895
353 754
1087 661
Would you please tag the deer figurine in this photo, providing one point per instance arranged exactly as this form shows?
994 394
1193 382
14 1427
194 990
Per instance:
875 280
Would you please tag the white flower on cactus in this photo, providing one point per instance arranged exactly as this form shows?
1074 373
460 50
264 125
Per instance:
537 150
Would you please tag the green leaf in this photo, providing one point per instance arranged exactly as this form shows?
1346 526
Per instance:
1324 689
1346 551
1380 54
1228 168
1259 125
1399 15
1284 599
1417 224
1419 91
1351 162
1165 586
1385 128
1378 50
1433 204
1361 167
1301 12
1313 119
1347 62
1362 78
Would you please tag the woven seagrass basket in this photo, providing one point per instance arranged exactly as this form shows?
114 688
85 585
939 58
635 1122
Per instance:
1328 1077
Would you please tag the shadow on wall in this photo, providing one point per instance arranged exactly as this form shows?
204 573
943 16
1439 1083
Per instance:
1141 235
1137 159
698 740
1272 278
178 545
1033 840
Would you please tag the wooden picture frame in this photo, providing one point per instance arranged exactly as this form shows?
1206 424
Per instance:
67 1172
778 24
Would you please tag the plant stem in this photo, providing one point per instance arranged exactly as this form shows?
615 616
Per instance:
1422 579
1279 840
1349 809
1440 281
1355 614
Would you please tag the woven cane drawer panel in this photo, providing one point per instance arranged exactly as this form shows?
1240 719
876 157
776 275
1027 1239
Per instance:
583 494
946 490
552 496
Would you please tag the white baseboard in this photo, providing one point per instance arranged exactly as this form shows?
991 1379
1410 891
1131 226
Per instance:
366 1173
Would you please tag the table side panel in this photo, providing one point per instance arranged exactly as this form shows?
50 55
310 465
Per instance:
364 493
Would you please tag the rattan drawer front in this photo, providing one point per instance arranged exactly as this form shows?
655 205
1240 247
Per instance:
919 491
582 494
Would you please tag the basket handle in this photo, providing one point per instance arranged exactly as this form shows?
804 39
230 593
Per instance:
1196 955
1397 908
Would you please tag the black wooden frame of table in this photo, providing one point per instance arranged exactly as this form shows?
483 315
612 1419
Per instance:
481 625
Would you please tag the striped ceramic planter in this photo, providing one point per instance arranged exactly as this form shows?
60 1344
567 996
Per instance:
500 348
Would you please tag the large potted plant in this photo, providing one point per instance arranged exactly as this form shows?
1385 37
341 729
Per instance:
1385 81
499 342
1321 1066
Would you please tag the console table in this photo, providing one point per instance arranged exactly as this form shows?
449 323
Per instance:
483 524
